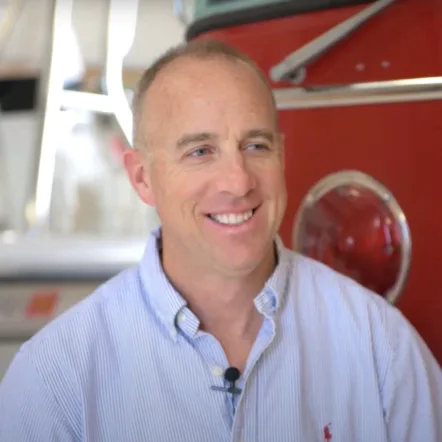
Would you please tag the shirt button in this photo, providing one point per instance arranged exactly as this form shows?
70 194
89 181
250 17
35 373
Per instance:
217 371
181 317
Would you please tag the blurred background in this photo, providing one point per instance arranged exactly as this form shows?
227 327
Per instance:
358 86
87 146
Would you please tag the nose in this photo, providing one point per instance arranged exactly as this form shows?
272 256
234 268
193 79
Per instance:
235 177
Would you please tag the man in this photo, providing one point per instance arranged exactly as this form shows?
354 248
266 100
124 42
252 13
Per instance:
145 358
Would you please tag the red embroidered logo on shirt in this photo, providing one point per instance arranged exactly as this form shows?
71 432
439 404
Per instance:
327 433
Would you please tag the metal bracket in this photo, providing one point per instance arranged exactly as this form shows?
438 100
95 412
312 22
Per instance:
120 35
358 94
122 24
292 68
37 211
121 28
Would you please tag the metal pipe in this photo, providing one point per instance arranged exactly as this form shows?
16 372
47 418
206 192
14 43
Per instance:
122 21
37 212
381 92
292 68
121 32
67 258
86 101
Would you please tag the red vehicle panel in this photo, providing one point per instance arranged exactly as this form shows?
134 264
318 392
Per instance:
396 144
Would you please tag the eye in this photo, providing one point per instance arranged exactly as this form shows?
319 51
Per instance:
256 146
200 151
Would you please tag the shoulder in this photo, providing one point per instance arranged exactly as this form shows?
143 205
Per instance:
374 338
66 344
112 296
322 284
344 308
354 316
51 373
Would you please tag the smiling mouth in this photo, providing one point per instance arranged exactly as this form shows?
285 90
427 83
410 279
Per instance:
232 219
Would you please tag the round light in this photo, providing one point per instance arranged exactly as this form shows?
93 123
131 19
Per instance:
352 223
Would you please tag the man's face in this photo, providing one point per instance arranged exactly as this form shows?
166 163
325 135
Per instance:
214 168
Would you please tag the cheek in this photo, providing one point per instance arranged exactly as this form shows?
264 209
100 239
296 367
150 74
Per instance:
271 177
175 186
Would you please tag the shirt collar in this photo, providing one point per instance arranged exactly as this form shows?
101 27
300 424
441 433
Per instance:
167 303
164 299
269 300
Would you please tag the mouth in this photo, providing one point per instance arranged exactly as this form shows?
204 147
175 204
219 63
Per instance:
233 219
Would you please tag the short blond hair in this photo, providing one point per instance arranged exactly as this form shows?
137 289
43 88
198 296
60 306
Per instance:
201 48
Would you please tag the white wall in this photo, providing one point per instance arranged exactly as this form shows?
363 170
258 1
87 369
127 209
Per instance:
157 30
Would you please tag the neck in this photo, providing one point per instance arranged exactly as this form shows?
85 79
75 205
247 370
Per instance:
220 302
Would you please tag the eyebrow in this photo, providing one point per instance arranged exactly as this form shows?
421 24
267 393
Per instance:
259 133
201 137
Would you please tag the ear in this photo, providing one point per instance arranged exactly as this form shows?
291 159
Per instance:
136 164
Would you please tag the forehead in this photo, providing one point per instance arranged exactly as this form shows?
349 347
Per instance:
216 95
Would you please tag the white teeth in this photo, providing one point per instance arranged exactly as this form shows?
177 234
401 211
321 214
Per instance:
232 218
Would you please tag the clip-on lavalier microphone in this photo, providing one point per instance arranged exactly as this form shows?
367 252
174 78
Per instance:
231 375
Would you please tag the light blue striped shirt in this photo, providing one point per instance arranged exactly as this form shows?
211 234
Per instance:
331 363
